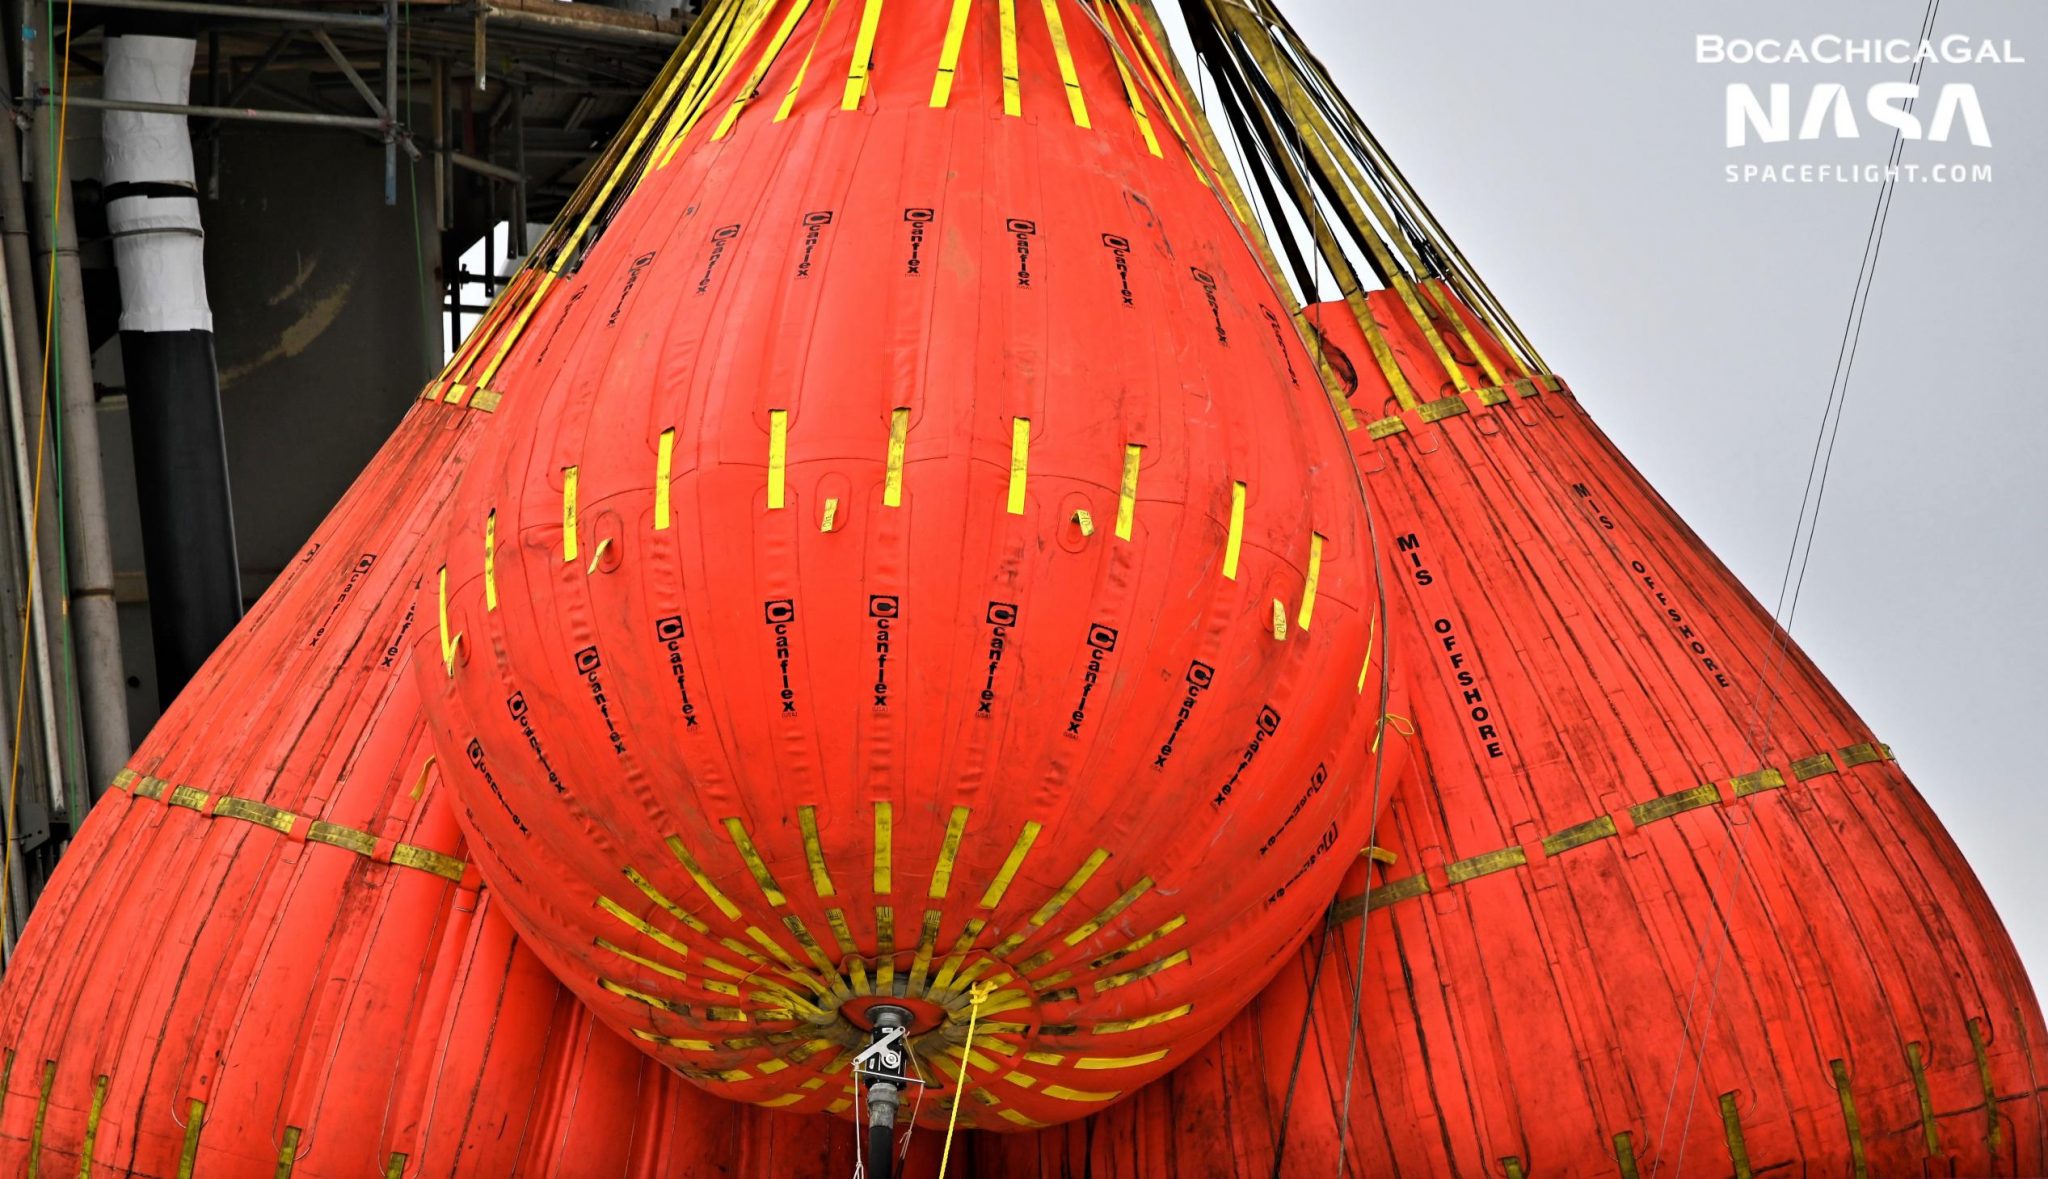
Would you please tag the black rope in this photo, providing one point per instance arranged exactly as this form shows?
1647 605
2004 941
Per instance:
1218 63
1311 168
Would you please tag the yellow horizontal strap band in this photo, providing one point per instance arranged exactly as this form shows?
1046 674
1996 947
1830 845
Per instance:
1705 794
1399 890
1817 766
1379 898
1761 780
1601 827
407 855
1486 864
251 811
1579 835
336 835
190 798
1441 408
262 814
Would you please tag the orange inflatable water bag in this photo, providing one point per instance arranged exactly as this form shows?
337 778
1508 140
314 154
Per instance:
916 553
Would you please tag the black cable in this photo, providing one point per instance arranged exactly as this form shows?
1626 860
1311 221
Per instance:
1759 738
1311 168
1315 978
1219 65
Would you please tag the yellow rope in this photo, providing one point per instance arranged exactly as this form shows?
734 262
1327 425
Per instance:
36 493
975 996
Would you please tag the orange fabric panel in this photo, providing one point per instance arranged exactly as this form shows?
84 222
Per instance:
705 708
1613 944
320 985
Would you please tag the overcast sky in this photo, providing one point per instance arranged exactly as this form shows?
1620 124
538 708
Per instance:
1576 152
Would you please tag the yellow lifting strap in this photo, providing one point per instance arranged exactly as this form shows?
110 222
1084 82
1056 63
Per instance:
975 997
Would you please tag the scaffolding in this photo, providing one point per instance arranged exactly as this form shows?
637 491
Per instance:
492 111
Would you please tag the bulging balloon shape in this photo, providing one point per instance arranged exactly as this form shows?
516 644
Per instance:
917 563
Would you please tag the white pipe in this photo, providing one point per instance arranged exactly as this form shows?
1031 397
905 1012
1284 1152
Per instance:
158 244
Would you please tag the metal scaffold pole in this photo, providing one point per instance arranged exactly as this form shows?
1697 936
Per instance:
101 689
25 424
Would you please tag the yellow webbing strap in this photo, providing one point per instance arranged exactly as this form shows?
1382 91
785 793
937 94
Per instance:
752 89
949 53
1123 72
1303 114
1068 77
796 83
863 57
1006 21
975 996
